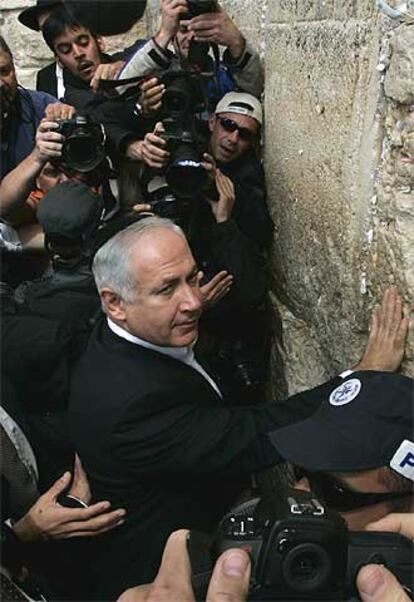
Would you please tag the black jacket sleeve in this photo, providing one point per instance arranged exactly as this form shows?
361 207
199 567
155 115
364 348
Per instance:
193 438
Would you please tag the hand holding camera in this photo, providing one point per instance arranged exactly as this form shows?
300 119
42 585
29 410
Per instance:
152 92
300 550
171 12
48 142
218 28
151 149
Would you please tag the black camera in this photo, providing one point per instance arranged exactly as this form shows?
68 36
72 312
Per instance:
300 550
84 146
199 7
184 173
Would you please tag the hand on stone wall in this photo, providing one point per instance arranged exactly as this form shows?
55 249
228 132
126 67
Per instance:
389 328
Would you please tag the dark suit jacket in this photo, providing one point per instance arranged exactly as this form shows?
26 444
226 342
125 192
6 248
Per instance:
156 439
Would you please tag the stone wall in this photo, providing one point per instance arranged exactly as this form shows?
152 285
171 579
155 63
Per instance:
339 103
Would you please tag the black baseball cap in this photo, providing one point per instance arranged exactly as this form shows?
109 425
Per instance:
28 17
70 209
364 423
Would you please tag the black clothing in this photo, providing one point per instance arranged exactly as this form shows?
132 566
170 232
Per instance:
155 438
235 334
120 128
69 295
46 78
250 210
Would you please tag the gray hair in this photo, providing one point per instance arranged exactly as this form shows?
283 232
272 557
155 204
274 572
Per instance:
111 266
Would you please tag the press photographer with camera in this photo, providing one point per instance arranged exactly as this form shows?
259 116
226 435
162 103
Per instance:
205 23
79 52
21 113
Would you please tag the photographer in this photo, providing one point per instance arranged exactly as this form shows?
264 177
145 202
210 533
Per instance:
21 113
239 68
80 54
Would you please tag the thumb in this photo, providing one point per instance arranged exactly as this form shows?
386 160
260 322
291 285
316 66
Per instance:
58 486
230 579
376 584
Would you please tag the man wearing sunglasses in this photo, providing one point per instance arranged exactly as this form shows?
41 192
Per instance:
356 453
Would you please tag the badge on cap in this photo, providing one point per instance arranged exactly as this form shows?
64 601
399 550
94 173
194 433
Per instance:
403 460
346 392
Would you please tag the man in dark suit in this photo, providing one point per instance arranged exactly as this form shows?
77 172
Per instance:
149 423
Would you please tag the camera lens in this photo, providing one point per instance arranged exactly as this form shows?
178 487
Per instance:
82 153
306 568
186 176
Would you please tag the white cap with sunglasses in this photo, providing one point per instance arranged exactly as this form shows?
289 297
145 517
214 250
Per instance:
242 104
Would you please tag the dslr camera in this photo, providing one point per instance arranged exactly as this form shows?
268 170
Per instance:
84 146
300 550
184 134
199 7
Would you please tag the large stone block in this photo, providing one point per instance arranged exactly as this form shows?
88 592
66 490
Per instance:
399 79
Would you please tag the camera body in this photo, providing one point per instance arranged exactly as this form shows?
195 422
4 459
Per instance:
199 7
83 148
302 551
184 173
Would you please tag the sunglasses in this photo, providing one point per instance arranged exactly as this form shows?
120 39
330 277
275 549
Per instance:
338 496
231 126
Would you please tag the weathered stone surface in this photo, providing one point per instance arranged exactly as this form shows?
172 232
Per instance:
399 80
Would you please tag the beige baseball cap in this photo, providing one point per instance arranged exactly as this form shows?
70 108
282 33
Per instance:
241 103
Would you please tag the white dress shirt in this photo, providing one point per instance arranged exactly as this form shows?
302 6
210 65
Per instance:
182 354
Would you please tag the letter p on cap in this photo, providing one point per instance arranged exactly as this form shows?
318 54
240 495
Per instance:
403 460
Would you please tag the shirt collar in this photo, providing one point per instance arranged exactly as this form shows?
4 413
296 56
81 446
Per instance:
179 353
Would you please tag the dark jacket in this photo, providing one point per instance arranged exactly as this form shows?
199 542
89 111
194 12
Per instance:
155 438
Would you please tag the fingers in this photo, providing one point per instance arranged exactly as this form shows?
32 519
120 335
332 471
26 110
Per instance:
59 110
209 163
93 526
402 523
230 579
141 208
386 343
153 146
151 95
57 487
105 71
376 584
173 581
216 289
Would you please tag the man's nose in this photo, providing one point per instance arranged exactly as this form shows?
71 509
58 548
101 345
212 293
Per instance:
78 51
233 136
191 299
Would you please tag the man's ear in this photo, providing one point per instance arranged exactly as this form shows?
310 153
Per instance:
59 62
212 122
113 304
101 43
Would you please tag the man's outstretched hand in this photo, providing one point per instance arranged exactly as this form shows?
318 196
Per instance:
388 335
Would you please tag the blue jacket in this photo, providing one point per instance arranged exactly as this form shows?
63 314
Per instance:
19 130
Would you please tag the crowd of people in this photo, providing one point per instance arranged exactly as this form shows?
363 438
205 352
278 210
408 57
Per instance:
137 329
